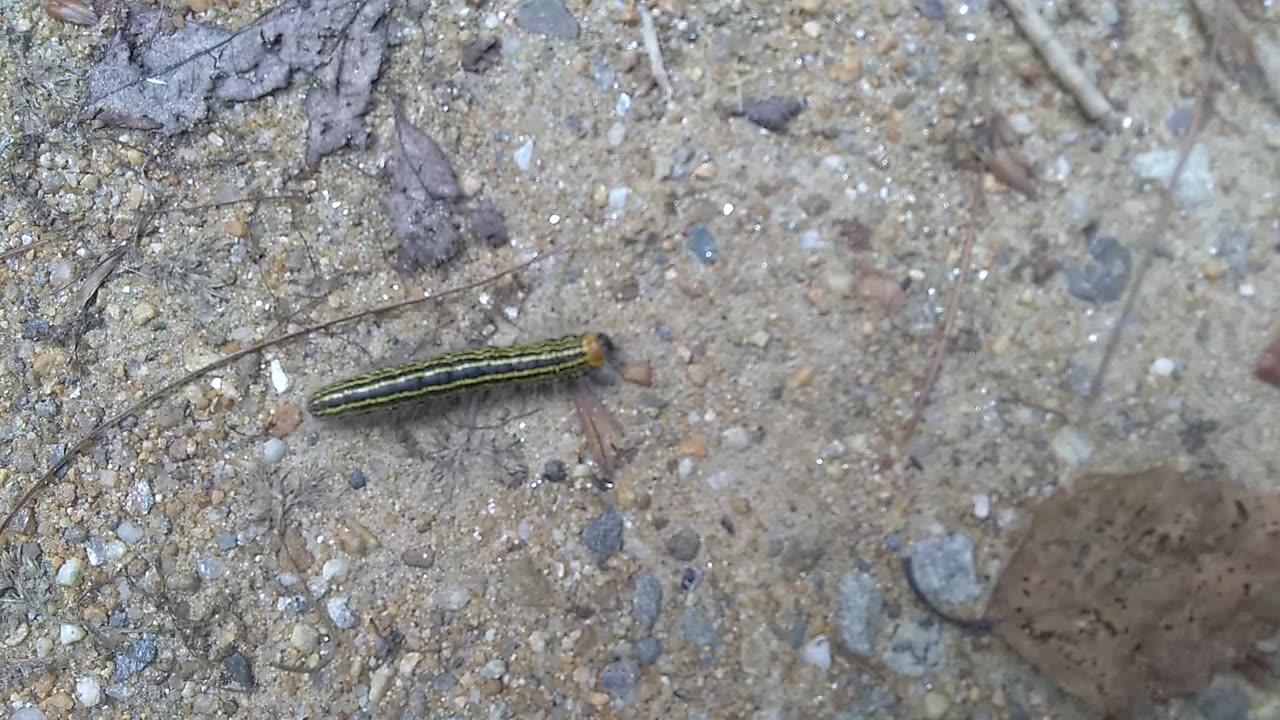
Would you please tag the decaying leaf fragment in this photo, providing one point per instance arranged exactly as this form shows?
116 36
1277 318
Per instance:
422 186
1131 589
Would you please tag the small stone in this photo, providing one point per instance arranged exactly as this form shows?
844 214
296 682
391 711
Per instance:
982 506
143 313
771 113
617 134
279 378
238 668
340 612
737 438
944 571
69 574
646 603
210 568
1104 277
96 551
554 471
130 532
1071 446
134 657
418 557
621 679
603 536
1162 367
546 17
859 612
523 156
88 691
494 669
453 598
703 245
684 545
237 228
1195 185
273 451
70 634
28 713
936 705
817 652
380 683
335 569
1223 702
812 28
648 650
305 638
699 629
357 479
915 649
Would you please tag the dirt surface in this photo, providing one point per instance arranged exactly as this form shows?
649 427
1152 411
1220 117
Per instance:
224 554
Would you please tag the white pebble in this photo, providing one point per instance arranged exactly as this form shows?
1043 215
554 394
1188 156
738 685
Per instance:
494 669
273 451
617 134
1162 367
88 691
279 380
44 646
618 198
379 683
982 506
69 573
129 532
335 569
685 468
812 28
69 634
1071 446
305 638
523 156
719 480
737 437
1247 290
28 713
817 652
340 613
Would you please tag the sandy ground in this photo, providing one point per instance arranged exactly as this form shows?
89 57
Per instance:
224 554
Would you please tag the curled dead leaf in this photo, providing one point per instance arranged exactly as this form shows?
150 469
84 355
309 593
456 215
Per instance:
71 11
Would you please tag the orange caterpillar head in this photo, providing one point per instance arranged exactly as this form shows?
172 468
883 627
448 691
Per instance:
598 348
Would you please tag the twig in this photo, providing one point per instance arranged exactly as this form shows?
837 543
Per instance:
172 385
1148 241
1094 104
15 252
953 308
656 66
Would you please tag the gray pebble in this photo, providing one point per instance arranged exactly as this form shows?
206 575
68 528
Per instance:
340 613
237 666
648 650
29 713
357 479
943 568
1233 245
546 17
603 536
698 628
1195 185
75 534
418 557
684 545
96 551
132 658
703 245
1179 121
132 533
141 499
210 568
1223 702
771 113
621 679
915 649
273 451
227 541
554 471
860 612
1104 277
647 601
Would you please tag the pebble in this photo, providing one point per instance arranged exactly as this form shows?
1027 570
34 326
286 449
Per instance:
646 603
703 245
1162 366
771 113
546 17
238 668
812 28
210 568
621 679
279 379
418 557
453 598
699 629
684 544
96 551
379 683
70 572
141 498
944 570
494 669
915 649
982 506
143 313
28 713
305 638
1223 702
357 479
859 613
273 451
227 541
1104 277
69 634
936 705
131 533
88 692
340 613
817 652
1071 446
132 658
648 650
617 134
737 438
554 471
523 156
335 569
1195 185
603 536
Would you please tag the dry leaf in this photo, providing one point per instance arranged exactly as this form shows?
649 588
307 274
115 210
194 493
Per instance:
1131 589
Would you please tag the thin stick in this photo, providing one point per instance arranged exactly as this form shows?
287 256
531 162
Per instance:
656 66
22 249
1147 244
1094 104
172 385
953 309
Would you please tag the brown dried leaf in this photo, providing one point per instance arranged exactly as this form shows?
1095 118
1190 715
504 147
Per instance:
1131 589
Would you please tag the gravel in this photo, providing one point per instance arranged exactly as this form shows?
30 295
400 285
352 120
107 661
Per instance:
1105 275
699 629
340 613
134 657
646 603
603 536
683 545
915 649
859 612
621 680
648 650
943 568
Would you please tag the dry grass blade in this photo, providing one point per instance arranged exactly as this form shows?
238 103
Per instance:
15 252
94 281
79 446
1132 589
602 430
